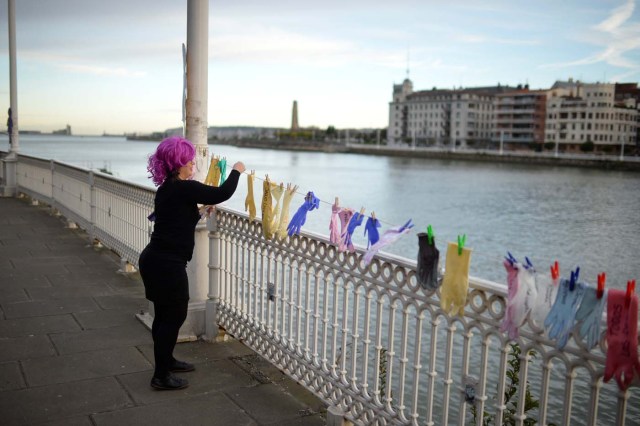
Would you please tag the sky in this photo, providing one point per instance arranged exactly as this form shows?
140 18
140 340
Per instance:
116 66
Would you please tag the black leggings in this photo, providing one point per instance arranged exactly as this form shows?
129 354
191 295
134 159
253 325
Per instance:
167 321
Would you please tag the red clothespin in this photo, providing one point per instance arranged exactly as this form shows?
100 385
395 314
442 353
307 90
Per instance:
631 288
601 280
555 271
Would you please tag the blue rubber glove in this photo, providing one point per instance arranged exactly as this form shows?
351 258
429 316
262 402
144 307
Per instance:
311 202
559 322
371 227
356 220
590 313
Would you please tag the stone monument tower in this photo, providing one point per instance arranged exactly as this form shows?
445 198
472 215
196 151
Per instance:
294 117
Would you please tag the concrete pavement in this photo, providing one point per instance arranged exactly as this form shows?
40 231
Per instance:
73 353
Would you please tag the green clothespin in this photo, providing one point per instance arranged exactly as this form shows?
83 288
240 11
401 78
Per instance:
430 235
461 241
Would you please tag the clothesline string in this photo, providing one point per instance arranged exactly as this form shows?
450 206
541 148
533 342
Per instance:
540 265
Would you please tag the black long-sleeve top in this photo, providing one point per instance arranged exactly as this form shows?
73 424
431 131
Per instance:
176 212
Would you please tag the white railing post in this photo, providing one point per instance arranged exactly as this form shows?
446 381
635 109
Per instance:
8 187
92 206
213 297
336 417
52 168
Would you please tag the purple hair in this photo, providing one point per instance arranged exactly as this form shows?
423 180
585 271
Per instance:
172 153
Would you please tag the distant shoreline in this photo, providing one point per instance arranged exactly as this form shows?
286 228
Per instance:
511 157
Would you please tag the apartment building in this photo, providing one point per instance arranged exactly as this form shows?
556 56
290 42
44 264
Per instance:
579 112
520 118
567 115
441 117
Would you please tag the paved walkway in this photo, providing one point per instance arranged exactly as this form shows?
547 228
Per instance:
73 353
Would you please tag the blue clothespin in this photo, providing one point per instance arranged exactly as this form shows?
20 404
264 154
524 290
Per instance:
512 260
528 265
574 279
407 225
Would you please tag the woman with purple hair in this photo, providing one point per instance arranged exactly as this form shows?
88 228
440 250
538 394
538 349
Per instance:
163 262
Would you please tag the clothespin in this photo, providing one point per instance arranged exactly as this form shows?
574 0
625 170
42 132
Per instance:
512 260
528 264
406 226
601 280
574 279
430 234
373 215
337 202
267 177
631 288
555 271
461 241
362 211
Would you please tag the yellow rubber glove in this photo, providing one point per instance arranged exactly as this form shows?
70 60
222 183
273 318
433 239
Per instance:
276 192
249 202
281 233
267 210
453 293
213 166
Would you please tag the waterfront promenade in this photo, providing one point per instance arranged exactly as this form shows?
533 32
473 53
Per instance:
73 353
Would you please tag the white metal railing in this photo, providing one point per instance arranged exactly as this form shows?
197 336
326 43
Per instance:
368 340
111 210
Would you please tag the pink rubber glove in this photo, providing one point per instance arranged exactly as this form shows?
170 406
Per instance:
622 338
334 225
512 289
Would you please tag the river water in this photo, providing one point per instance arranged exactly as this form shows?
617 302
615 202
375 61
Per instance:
579 217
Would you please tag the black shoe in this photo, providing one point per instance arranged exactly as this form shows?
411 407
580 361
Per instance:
181 367
170 382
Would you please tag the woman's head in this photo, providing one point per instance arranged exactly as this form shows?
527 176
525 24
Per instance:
171 154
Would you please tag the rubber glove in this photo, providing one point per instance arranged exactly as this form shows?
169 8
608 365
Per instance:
453 294
344 215
284 216
428 259
389 237
527 292
267 210
311 202
212 173
355 221
590 313
371 231
249 202
222 165
559 322
334 225
508 323
546 291
277 191
622 338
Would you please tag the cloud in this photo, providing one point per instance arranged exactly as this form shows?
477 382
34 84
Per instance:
102 71
273 45
617 37
619 16
475 38
79 65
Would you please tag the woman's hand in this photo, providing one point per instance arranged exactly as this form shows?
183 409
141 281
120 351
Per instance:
239 166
